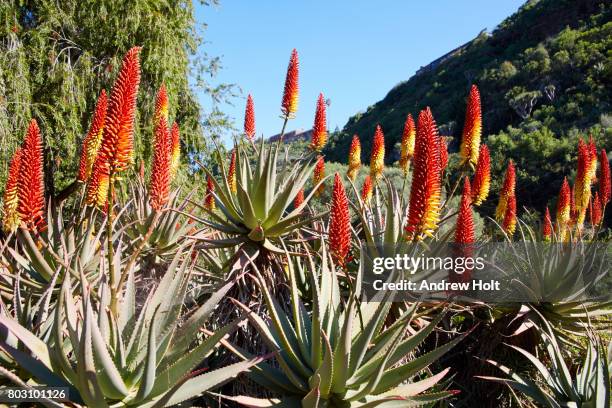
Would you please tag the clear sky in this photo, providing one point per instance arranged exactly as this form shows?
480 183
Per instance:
352 51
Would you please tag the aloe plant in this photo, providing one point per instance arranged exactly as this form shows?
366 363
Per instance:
556 386
140 358
557 280
157 233
341 355
31 313
256 214
62 248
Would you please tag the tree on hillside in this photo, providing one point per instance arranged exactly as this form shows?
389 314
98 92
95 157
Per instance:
56 57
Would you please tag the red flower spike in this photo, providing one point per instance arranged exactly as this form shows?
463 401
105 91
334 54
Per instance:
509 222
424 210
377 159
605 191
596 210
508 190
443 154
339 224
319 129
92 141
231 173
482 177
116 151
209 198
407 145
249 119
11 219
290 95
547 226
472 129
318 175
30 186
354 161
159 188
299 199
366 190
175 150
464 232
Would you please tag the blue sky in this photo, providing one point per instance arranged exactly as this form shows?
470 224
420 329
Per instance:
352 51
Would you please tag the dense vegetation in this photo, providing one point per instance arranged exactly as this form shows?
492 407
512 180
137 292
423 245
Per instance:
544 74
55 57
131 291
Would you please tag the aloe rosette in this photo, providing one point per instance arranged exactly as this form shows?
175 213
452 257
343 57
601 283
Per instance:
341 355
140 358
556 385
261 211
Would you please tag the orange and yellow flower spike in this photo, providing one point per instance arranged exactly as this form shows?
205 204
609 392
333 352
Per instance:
92 141
547 227
339 224
354 159
424 210
509 221
377 159
97 188
318 175
231 173
464 231
584 178
289 105
564 214
482 177
11 219
508 190
209 198
407 145
30 186
175 150
249 119
366 190
116 151
472 129
161 106
319 129
593 160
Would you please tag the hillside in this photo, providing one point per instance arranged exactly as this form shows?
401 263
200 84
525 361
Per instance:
544 75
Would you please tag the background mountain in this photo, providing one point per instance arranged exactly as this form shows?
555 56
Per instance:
544 77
